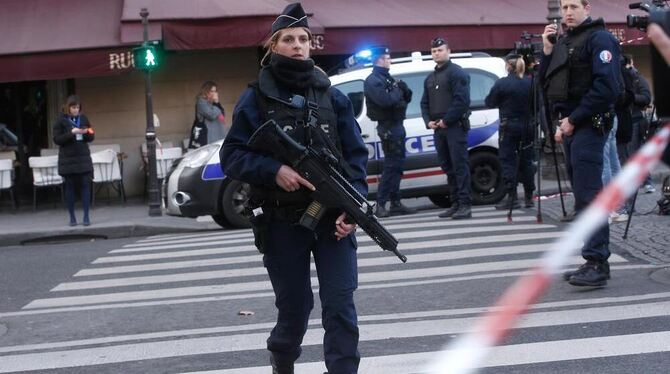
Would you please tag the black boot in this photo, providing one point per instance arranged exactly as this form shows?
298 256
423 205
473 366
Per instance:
463 212
281 368
449 212
381 211
528 199
590 274
398 209
511 200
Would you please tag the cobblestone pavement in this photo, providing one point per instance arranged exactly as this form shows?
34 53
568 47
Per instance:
648 235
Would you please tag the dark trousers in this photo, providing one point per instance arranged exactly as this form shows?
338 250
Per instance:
392 135
584 159
70 183
452 151
287 260
515 145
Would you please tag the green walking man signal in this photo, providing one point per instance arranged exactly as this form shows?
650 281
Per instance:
146 57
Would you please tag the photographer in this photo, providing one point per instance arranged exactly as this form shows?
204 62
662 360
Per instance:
581 74
662 43
386 100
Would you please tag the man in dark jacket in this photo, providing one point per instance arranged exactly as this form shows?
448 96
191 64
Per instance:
445 107
581 76
640 125
386 100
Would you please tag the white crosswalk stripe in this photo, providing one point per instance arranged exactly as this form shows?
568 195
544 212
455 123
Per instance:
195 272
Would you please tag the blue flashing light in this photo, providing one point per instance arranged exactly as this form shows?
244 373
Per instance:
364 54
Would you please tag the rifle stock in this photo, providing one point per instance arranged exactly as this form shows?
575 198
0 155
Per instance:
332 189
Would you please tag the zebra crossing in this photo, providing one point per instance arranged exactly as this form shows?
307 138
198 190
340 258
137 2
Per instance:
171 304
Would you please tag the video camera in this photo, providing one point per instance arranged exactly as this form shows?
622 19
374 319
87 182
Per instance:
660 15
528 48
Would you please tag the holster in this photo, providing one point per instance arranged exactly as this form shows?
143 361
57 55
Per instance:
504 122
603 122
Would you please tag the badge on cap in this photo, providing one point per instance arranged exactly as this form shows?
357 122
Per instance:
606 56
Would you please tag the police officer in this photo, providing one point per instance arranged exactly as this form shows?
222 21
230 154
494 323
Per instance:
298 96
582 81
445 107
386 100
515 142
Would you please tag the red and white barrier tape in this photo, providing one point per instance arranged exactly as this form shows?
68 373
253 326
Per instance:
468 351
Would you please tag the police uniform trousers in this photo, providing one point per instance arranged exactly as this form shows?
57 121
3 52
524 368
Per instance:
392 135
451 144
584 156
287 260
515 147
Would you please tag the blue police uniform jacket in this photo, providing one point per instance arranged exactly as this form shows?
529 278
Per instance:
388 102
602 52
239 162
512 96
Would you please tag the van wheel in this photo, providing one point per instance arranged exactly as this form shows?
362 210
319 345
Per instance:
221 220
233 200
443 201
486 177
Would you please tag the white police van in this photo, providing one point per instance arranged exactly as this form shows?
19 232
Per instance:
196 186
422 174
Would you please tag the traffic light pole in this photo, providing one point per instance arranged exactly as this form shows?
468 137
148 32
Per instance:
152 185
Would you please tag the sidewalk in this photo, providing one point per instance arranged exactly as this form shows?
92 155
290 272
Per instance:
108 221
648 237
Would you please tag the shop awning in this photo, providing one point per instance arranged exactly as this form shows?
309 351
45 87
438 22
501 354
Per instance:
46 39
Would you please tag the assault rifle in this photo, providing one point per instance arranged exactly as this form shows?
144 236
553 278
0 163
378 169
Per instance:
332 189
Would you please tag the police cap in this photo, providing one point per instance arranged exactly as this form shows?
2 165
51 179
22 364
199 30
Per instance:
379 51
292 16
438 42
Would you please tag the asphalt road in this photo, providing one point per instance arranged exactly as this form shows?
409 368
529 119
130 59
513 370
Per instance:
172 303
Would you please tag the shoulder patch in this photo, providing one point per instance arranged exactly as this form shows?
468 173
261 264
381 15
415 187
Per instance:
606 56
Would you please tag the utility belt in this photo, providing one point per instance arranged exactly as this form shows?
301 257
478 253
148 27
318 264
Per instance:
464 122
262 215
602 122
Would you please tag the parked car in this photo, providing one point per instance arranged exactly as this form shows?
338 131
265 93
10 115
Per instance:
196 186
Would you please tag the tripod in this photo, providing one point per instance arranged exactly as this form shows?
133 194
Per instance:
538 102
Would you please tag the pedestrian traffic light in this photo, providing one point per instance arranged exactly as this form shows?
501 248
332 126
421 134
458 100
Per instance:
146 57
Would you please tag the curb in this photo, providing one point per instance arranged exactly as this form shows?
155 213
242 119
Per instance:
97 232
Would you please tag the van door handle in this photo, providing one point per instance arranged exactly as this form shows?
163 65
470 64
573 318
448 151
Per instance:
365 136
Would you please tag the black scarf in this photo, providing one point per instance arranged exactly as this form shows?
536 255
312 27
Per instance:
295 74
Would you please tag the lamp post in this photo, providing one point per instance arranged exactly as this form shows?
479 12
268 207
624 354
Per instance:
553 6
153 191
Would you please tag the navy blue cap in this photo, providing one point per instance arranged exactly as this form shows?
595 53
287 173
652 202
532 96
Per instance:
292 16
380 50
437 42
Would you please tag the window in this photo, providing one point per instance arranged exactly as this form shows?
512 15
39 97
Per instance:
480 84
353 90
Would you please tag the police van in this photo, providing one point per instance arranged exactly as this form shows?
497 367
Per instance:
422 173
196 186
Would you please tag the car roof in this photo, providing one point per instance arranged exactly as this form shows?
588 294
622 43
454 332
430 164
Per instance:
495 65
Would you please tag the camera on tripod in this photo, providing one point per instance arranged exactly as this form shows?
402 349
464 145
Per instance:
527 48
657 15
660 72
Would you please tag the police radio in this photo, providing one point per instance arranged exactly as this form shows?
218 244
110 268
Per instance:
553 38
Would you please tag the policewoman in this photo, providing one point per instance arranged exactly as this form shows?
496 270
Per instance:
515 141
445 108
386 100
581 76
294 93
